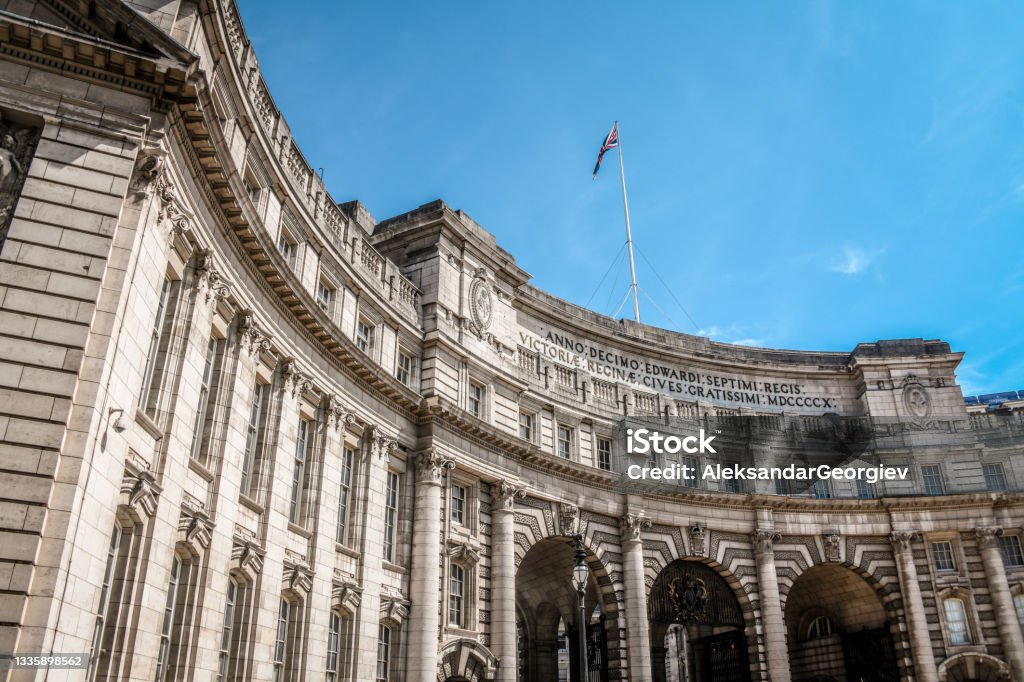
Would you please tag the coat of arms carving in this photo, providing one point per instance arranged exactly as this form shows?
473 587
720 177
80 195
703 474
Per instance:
481 303
689 598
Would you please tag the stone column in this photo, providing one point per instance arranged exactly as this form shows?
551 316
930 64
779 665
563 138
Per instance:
772 621
503 578
637 624
999 588
421 657
913 607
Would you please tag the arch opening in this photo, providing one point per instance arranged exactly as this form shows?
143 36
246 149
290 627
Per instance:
548 615
697 626
838 629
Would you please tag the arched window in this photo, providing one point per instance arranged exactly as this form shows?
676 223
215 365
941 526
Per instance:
1018 606
819 627
956 621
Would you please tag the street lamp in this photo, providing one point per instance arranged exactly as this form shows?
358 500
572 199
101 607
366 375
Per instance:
580 573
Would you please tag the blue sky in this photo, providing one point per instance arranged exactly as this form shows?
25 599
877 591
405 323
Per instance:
801 175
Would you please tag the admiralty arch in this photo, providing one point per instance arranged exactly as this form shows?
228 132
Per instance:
250 433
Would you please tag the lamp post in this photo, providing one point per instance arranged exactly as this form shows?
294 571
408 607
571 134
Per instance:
580 573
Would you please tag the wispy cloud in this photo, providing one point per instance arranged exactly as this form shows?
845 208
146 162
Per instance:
855 260
732 333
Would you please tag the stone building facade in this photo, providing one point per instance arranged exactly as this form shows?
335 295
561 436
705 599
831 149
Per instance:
249 433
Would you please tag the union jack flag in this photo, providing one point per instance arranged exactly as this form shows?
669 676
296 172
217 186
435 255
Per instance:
610 142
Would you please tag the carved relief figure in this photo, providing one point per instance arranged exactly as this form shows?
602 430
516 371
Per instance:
17 145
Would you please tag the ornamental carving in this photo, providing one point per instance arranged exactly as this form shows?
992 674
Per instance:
697 534
346 597
481 303
139 492
338 415
633 526
298 579
17 147
393 609
170 212
568 518
505 495
692 593
902 541
195 528
915 398
253 339
463 553
830 542
209 279
299 382
987 536
764 540
431 465
247 557
147 169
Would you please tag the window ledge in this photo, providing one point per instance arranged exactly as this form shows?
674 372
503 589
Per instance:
250 503
299 530
395 567
347 551
148 425
197 466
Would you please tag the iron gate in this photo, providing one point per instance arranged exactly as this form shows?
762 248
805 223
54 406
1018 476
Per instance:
870 656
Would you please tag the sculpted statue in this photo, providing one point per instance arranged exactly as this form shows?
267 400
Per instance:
17 145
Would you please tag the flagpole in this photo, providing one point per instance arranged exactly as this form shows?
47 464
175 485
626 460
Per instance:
629 232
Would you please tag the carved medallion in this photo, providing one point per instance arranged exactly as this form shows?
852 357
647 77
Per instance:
915 398
689 598
481 303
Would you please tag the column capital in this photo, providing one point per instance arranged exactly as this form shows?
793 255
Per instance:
632 527
902 540
505 494
379 444
987 536
764 540
431 465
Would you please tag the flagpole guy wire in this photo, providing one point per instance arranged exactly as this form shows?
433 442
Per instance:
629 232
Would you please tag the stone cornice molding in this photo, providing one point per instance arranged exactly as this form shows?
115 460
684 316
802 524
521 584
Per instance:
988 536
764 539
505 493
632 527
431 465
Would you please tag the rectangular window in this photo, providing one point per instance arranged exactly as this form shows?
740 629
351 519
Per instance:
281 641
459 494
157 354
865 489
403 369
526 426
565 442
344 494
364 336
782 487
288 248
224 658
942 556
203 426
333 647
995 479
731 485
302 444
102 610
325 296
822 489
252 187
604 454
390 515
475 400
254 430
1009 545
383 653
456 592
693 471
167 626
931 475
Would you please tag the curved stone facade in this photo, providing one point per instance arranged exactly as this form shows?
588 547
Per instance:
251 433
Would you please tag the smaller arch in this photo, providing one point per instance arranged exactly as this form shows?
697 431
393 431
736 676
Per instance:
972 666
466 660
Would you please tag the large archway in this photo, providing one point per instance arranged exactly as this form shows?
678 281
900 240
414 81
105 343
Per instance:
837 628
547 615
697 626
